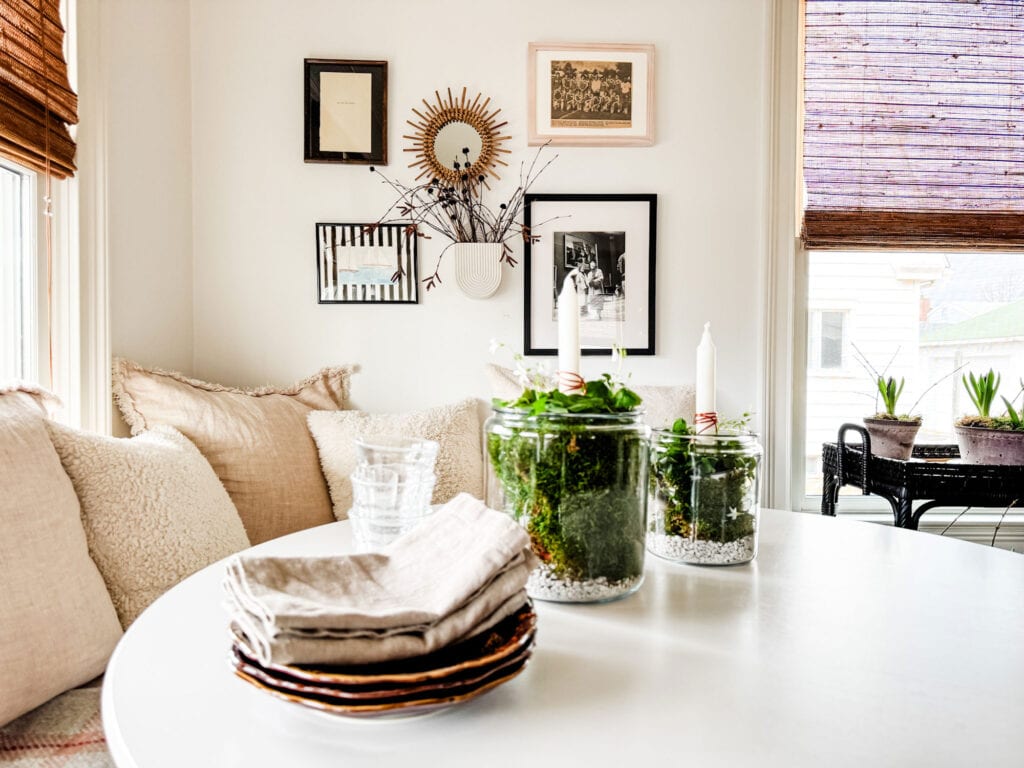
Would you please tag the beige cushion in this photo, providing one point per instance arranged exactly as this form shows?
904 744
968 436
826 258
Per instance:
57 624
256 440
459 466
154 511
662 404
26 398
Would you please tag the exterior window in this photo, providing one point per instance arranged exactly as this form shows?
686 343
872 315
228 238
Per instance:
827 335
919 317
18 317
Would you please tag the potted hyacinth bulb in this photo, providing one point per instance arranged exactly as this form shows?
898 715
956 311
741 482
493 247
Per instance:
988 439
892 433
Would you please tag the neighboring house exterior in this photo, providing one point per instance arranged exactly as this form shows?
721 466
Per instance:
859 301
994 339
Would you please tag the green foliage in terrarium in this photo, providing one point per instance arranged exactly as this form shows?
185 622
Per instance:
576 484
706 488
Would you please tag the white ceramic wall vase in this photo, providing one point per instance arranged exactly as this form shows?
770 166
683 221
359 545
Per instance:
477 268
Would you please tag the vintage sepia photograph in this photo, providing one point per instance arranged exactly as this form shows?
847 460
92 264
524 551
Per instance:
591 94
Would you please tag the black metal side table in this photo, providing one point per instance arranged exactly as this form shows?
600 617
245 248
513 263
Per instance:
933 475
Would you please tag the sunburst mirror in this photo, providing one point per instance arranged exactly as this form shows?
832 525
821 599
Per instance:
451 130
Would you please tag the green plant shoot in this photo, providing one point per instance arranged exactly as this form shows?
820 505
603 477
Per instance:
890 392
982 390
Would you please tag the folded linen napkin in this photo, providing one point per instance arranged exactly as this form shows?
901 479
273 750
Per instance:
457 575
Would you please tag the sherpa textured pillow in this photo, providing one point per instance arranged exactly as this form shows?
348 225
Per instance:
57 624
662 404
459 466
154 511
256 440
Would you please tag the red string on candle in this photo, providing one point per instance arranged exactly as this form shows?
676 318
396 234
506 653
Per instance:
570 381
705 421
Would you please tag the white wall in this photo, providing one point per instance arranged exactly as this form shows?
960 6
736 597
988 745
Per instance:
255 202
149 181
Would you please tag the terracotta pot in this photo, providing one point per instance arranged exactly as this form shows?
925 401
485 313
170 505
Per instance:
892 438
990 446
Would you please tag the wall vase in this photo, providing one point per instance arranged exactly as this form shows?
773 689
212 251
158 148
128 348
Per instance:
478 268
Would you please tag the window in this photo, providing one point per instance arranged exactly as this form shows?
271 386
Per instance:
827 337
912 176
18 316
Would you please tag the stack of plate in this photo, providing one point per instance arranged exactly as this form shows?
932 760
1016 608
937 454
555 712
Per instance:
410 686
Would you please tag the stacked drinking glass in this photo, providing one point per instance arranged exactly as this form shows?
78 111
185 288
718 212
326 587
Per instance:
391 488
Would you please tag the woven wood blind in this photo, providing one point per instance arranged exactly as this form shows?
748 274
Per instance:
36 100
914 123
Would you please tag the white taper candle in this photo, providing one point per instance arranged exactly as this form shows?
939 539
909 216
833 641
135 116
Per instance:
568 336
705 379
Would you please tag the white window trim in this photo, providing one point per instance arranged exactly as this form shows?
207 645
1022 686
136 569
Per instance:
83 237
783 340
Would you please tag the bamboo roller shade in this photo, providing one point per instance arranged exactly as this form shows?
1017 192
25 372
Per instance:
913 124
36 100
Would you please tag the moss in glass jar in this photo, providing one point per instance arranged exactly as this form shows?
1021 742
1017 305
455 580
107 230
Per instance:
706 488
574 480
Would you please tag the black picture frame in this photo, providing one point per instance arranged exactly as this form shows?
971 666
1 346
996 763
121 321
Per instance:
358 263
364 118
621 234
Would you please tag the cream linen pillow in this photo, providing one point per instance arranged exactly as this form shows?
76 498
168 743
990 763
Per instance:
662 404
26 398
459 466
57 624
154 511
256 440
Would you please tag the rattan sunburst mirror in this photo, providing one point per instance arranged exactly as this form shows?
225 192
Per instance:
452 129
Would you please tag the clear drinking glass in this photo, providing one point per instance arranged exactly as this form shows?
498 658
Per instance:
387 501
396 449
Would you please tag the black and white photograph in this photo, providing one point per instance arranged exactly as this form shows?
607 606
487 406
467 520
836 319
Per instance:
366 264
590 94
595 262
603 245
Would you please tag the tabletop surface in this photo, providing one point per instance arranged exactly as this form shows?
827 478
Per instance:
843 643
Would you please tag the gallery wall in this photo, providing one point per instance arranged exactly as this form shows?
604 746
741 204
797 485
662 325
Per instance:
253 314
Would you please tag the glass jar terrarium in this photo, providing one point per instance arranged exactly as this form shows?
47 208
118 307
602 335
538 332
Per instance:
703 504
578 484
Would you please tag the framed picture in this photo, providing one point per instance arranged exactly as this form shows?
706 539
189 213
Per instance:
604 244
346 118
590 94
366 264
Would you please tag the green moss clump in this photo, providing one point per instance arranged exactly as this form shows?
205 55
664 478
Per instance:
579 491
707 490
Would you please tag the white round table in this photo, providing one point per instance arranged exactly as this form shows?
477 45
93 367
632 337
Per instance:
843 644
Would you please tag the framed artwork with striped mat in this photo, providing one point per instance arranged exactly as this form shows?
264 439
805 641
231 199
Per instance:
366 264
